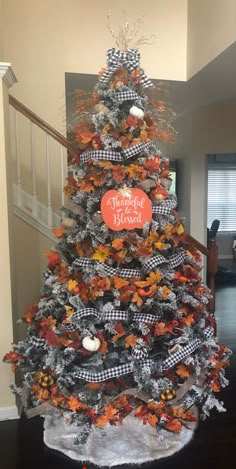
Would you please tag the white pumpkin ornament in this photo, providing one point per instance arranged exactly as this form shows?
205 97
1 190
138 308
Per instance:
91 343
136 112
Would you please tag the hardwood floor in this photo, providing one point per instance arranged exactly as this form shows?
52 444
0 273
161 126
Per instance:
213 446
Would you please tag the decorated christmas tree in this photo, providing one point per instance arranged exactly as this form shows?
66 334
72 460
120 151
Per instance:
121 338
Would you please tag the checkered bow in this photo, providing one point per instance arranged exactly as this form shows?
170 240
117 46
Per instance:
111 155
130 59
104 375
37 342
127 95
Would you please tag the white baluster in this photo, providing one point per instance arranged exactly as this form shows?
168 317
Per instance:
18 170
62 176
33 172
49 207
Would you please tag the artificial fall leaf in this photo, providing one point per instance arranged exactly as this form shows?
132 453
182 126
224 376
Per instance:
180 412
188 320
132 121
120 332
154 278
117 243
157 407
174 426
118 173
84 137
59 232
180 229
160 328
103 347
148 293
101 254
102 421
161 246
165 292
110 411
122 401
153 164
131 341
215 386
51 338
72 286
86 185
152 419
182 371
74 404
120 282
48 323
53 258
30 313
137 299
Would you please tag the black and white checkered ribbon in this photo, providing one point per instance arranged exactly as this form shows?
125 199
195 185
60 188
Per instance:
130 59
88 263
108 155
120 370
37 342
161 210
111 155
140 353
114 315
172 261
186 351
128 95
135 149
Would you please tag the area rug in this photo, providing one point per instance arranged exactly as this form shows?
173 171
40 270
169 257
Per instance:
130 443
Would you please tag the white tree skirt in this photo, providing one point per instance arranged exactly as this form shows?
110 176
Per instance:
130 443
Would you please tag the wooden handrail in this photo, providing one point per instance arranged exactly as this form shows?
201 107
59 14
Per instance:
198 245
42 124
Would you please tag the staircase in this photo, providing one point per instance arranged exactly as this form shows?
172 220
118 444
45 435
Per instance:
40 167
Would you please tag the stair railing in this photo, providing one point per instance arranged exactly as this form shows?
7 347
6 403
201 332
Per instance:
47 135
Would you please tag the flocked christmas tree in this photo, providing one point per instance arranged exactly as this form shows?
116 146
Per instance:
121 328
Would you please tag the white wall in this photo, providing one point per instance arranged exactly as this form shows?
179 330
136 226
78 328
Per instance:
211 29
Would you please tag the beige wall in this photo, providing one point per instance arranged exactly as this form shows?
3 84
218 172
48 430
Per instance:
214 131
30 263
43 41
6 335
1 33
211 29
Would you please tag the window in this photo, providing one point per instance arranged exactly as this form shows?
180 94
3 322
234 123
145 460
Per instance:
222 197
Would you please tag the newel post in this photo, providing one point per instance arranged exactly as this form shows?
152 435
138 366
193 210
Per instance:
212 267
7 402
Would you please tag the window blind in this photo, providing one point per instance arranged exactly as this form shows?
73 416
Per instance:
222 198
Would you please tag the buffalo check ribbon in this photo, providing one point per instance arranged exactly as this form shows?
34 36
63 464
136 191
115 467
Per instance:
130 59
100 266
128 368
111 155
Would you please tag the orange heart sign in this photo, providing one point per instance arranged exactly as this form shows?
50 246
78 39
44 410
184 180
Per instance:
126 209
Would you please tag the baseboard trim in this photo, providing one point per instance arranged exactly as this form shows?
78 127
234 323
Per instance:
9 413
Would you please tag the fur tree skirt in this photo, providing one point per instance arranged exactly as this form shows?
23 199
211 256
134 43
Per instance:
130 443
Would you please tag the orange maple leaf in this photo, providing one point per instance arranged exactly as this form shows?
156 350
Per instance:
182 371
103 347
137 299
72 286
84 137
215 386
102 420
120 282
48 323
117 243
120 332
74 404
160 328
131 341
59 232
174 426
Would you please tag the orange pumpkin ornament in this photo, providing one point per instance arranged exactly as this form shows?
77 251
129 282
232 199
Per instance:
126 208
